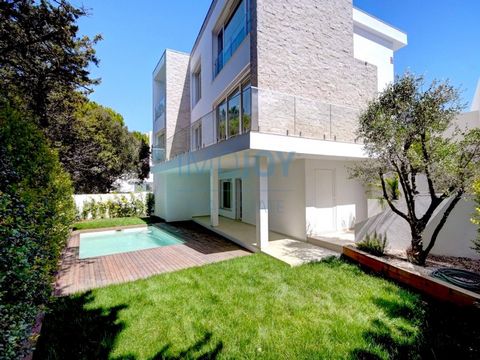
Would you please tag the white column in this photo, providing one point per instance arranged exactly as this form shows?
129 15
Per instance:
214 196
262 201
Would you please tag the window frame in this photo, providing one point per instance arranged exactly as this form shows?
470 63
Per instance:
242 85
197 84
220 46
223 182
197 138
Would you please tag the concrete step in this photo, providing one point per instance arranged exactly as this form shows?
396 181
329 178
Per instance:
334 244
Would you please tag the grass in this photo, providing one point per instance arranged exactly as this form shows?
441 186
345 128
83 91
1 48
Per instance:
105 223
256 307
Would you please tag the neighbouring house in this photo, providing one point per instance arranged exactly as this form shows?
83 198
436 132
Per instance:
254 130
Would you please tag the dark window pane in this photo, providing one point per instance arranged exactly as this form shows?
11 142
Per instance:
227 194
228 40
222 121
233 114
246 109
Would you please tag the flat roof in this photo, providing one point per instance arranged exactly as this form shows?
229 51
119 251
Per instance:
370 23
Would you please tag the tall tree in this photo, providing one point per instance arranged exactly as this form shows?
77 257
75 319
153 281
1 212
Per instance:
100 150
411 134
44 71
43 61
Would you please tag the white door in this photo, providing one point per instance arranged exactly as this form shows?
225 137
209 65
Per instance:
325 200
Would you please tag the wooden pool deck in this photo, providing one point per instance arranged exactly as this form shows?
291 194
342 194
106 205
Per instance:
200 247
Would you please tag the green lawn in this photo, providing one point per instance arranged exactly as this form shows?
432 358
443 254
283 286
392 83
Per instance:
104 223
256 307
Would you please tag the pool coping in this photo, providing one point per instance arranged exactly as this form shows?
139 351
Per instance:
110 228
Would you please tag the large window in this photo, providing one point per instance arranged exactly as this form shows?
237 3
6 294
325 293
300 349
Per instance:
197 85
197 136
226 194
221 115
246 107
234 114
232 34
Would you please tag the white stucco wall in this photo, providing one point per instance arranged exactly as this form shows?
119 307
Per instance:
182 196
455 238
375 51
350 203
286 199
159 189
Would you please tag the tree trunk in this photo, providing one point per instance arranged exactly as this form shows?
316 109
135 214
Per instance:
415 253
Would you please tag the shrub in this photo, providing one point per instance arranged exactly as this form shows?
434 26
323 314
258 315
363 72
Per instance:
120 206
374 244
36 210
150 204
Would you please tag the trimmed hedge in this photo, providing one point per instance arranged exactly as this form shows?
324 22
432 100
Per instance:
120 206
36 211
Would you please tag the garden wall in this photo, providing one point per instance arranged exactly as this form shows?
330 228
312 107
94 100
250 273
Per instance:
455 239
81 199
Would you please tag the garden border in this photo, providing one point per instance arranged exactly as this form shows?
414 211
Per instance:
429 286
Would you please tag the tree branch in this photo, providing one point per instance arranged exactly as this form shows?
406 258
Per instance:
389 202
442 222
406 190
426 157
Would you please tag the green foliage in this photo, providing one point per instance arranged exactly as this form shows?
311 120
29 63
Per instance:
150 204
476 216
44 71
36 210
253 307
120 206
375 244
410 135
44 61
100 150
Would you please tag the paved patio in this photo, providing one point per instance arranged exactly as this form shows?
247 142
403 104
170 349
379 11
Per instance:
295 253
291 251
201 247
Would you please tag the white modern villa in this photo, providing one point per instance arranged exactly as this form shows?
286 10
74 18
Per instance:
254 130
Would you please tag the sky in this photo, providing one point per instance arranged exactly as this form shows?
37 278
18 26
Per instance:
443 43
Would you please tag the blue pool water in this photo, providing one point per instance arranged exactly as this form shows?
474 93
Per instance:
115 242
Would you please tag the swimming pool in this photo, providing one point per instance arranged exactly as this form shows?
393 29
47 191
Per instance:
119 241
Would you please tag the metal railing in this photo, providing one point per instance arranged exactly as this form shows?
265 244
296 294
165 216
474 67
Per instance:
271 113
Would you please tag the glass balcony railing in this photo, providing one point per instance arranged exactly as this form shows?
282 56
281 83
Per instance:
158 154
160 108
284 114
238 35
270 113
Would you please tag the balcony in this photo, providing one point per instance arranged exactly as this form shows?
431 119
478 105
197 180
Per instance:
158 154
239 34
271 113
160 109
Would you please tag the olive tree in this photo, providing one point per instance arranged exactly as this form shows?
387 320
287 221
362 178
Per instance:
409 132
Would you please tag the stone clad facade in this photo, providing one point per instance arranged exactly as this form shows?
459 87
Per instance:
305 49
177 103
